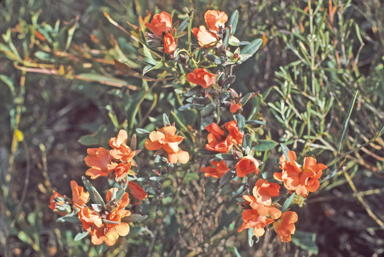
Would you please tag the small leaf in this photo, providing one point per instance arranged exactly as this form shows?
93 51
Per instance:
183 25
142 131
306 241
80 235
285 150
101 248
247 141
228 81
240 122
228 176
245 99
346 121
72 219
233 21
134 218
226 38
252 47
94 139
208 109
194 91
225 156
93 193
110 222
264 145
166 120
288 202
255 122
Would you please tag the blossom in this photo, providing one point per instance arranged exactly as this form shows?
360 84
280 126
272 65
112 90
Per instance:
217 170
202 77
215 19
120 150
309 178
160 23
59 204
100 161
167 139
303 179
235 135
252 219
170 44
284 227
137 192
79 196
217 139
263 190
204 37
122 170
247 165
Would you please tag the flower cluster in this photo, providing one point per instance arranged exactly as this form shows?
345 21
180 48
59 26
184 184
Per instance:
215 21
301 179
217 170
220 141
260 212
166 140
113 163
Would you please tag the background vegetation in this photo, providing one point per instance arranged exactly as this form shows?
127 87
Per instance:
321 79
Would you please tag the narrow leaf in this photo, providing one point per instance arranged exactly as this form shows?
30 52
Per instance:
227 177
264 145
285 150
93 193
233 21
346 121
80 235
288 202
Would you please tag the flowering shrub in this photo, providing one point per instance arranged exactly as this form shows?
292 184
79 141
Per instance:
230 148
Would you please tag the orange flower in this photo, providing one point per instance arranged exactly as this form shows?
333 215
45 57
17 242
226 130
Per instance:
247 165
252 219
291 171
104 224
160 23
263 190
120 150
170 44
204 37
59 203
309 178
263 210
79 197
136 191
100 161
122 170
220 169
215 19
218 142
284 227
167 139
234 107
202 77
301 180
235 135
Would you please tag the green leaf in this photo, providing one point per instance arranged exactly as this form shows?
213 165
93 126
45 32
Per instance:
110 222
80 235
94 139
101 248
224 156
252 239
166 120
247 141
233 249
194 91
73 219
183 25
252 47
265 145
208 109
346 121
226 38
288 202
306 241
255 122
93 77
233 21
240 122
93 193
285 150
245 99
134 218
142 131
228 176
226 220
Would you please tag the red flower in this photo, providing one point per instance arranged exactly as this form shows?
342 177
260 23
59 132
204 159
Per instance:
247 165
202 77
252 219
100 161
263 191
170 44
215 19
234 107
136 191
58 203
235 135
284 227
79 196
218 142
217 170
160 23
204 37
